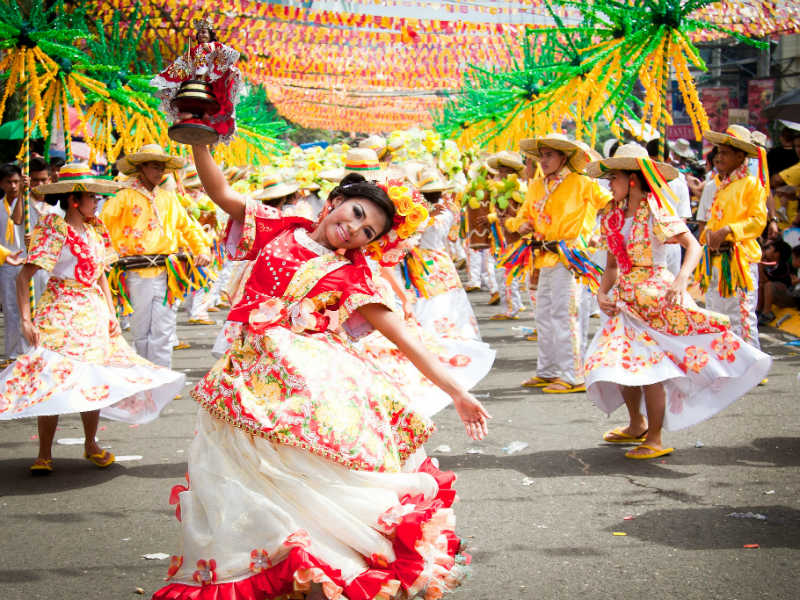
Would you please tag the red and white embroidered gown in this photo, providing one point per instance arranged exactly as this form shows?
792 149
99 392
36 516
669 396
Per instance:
307 472
703 365
77 365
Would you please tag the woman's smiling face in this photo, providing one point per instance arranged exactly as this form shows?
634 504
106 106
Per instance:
353 223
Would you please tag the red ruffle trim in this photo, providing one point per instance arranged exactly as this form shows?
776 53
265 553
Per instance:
280 579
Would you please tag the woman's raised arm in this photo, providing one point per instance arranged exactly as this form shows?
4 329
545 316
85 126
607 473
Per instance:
471 411
215 184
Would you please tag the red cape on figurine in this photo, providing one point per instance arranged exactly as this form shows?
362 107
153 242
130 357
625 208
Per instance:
209 61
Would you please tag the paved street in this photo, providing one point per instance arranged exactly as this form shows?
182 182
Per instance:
540 522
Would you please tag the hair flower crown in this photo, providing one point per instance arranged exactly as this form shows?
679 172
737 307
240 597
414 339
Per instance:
410 213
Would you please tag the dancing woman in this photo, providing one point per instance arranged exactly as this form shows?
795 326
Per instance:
307 476
79 361
671 363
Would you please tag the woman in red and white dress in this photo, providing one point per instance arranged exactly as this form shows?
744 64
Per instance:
307 476
79 361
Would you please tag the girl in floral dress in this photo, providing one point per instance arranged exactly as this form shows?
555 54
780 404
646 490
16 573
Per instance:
671 363
307 477
79 361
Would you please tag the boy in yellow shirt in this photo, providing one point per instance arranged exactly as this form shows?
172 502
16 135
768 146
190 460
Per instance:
145 219
728 270
560 207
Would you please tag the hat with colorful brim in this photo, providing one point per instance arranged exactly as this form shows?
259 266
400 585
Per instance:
149 153
577 156
735 136
628 158
363 161
78 178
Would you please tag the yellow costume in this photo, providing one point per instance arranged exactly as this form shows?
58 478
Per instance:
151 222
143 222
791 175
561 209
730 276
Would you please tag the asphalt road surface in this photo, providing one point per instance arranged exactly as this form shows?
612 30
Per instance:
545 521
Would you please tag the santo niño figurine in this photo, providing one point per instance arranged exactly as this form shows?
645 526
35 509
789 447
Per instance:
200 90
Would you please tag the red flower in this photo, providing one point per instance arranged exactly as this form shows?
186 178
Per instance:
206 572
260 561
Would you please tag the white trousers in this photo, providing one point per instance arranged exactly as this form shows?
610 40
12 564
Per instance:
481 269
15 343
557 306
510 294
153 322
740 308
586 309
456 250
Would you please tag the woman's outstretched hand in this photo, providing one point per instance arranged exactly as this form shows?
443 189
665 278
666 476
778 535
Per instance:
473 414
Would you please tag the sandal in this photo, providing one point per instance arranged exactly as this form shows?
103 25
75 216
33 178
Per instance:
42 466
559 386
101 459
534 337
537 381
654 452
503 317
617 436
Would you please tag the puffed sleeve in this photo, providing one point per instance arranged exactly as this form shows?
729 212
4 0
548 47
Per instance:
666 226
244 239
47 240
346 290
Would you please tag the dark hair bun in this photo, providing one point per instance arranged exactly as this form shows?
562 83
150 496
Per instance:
352 178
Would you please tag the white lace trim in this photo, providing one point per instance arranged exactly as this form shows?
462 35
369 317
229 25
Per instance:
301 237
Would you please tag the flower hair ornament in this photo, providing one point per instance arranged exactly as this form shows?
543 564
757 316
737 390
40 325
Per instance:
410 213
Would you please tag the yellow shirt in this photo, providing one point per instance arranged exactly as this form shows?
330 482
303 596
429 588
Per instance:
741 205
569 212
144 222
791 175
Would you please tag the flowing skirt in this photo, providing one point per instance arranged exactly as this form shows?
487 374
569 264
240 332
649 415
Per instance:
262 520
78 367
703 365
446 311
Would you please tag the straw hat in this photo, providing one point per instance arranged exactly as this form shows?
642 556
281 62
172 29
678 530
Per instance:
682 148
363 161
429 179
275 188
78 177
577 156
375 142
505 158
149 152
627 159
334 175
735 136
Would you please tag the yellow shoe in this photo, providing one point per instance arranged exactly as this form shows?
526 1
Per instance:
495 299
201 322
213 309
101 459
534 337
182 346
42 466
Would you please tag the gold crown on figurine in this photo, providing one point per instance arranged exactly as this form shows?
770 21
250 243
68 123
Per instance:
203 23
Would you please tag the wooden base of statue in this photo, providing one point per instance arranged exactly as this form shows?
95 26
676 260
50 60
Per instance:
478 234
195 98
